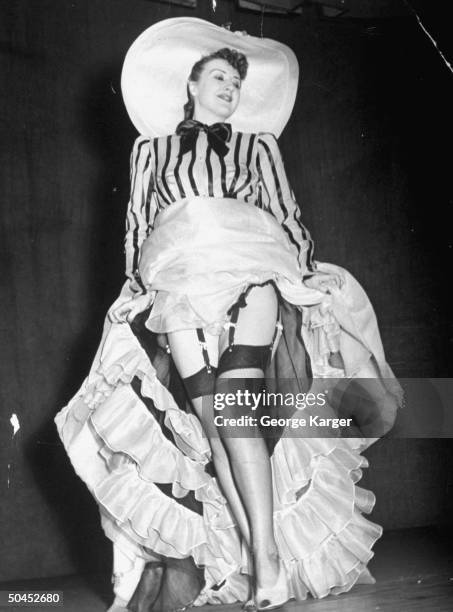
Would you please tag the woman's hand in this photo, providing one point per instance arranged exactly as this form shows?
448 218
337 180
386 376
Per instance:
324 281
126 308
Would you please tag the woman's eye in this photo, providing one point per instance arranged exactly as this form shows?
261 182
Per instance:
219 77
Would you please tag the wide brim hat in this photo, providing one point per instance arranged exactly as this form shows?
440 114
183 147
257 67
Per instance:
158 64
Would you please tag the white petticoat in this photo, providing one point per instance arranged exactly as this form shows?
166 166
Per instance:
201 255
204 252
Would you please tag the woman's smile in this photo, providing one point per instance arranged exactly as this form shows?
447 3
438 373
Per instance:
225 96
217 92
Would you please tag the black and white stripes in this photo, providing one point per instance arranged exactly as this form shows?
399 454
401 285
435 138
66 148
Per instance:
251 171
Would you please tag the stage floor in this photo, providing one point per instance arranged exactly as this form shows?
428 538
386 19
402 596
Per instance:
413 569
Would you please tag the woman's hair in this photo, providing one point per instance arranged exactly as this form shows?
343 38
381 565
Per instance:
236 59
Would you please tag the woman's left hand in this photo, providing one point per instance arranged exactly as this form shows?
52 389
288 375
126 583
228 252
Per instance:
324 281
124 311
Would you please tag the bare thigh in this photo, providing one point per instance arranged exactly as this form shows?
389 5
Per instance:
187 353
257 320
255 326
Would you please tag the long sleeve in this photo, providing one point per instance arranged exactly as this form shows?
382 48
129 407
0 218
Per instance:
141 210
278 198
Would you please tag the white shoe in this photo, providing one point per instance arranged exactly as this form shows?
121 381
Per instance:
273 597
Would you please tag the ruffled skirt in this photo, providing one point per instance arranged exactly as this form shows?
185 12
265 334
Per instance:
134 441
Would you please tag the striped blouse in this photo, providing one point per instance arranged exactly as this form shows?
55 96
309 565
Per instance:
252 171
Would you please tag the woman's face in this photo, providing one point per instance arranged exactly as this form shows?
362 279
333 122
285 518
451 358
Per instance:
216 93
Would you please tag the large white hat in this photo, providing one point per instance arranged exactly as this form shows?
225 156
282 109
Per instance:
158 64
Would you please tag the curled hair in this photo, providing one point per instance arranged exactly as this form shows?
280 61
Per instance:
236 59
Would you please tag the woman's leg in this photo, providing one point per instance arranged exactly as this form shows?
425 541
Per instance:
188 358
249 457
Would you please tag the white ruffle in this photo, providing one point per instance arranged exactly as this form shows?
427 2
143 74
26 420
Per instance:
204 252
120 452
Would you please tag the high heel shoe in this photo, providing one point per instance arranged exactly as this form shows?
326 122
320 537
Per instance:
273 597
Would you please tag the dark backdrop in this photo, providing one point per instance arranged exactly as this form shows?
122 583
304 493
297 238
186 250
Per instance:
365 151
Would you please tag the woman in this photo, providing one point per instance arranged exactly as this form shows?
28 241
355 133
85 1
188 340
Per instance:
216 255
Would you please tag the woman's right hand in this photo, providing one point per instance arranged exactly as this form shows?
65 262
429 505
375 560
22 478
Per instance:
324 281
125 309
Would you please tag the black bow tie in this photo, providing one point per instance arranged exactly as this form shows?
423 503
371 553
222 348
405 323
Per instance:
218 135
